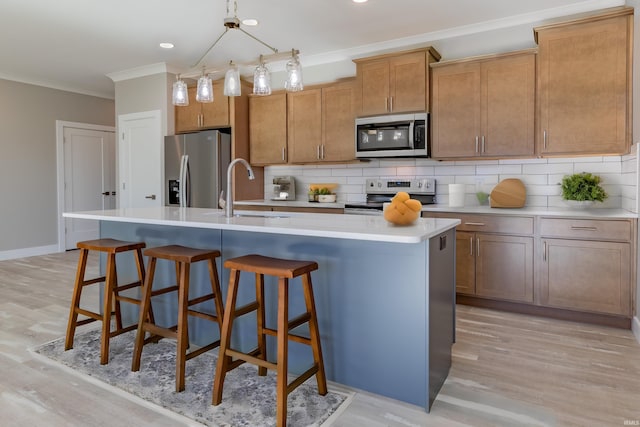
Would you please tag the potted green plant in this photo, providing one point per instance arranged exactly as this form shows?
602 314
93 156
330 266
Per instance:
582 189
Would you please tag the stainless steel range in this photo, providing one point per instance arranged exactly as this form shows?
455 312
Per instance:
379 191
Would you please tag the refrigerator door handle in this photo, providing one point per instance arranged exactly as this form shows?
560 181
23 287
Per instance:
182 193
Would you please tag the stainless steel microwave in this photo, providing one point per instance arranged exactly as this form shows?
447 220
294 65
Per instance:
396 135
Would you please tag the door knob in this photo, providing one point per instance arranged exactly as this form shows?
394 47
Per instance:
152 197
106 193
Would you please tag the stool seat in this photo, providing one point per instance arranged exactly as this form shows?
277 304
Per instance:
181 253
183 257
111 246
271 266
229 358
111 295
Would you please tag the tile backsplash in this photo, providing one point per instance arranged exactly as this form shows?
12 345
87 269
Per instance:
541 177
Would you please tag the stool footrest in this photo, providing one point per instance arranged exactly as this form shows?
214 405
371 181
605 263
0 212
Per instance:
201 299
201 350
249 357
85 321
202 315
246 309
163 332
302 378
128 286
92 281
123 330
164 290
299 320
91 314
128 299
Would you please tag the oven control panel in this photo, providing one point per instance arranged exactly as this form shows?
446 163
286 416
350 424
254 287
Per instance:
413 186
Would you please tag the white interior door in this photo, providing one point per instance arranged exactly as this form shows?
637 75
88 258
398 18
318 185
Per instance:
140 160
89 179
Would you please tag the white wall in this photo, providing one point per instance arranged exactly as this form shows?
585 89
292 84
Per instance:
28 114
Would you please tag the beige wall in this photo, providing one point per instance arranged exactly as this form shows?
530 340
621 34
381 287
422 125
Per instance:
147 94
28 194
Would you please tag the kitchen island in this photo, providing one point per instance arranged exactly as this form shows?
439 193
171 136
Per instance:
385 295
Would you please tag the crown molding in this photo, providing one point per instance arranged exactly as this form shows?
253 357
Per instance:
142 71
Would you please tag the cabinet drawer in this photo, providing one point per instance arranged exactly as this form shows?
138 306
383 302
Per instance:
586 229
489 223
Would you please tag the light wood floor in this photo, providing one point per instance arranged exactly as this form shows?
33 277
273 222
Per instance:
508 369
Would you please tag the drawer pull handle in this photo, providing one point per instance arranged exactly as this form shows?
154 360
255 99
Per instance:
479 224
577 227
471 246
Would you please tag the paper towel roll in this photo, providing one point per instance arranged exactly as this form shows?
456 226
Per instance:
456 195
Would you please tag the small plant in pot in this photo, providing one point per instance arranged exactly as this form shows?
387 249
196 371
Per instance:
582 189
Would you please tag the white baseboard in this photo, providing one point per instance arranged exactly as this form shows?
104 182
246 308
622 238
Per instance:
635 327
27 252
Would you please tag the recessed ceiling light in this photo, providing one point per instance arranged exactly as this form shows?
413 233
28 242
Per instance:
166 45
359 1
250 22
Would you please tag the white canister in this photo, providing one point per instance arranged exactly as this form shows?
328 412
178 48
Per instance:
456 195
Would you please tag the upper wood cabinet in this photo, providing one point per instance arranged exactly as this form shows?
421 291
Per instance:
584 82
395 83
268 129
484 107
320 124
197 115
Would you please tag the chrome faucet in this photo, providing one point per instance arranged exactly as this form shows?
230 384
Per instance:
229 202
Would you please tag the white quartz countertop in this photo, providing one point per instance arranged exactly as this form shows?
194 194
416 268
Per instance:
336 226
601 213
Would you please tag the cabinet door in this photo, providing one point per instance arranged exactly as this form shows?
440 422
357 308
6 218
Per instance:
507 106
408 81
583 72
504 267
338 118
465 263
374 77
586 275
216 113
304 123
268 129
187 118
455 109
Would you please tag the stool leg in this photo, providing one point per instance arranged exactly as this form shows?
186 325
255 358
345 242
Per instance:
183 325
314 334
141 277
262 342
225 337
116 300
145 306
109 284
283 343
215 289
75 299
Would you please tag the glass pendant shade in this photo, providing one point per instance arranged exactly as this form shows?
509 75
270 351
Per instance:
261 80
204 93
180 93
232 81
294 75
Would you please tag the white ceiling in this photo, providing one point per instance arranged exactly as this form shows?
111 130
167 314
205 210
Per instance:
75 44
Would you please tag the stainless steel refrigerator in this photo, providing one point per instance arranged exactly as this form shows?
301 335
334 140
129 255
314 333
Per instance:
195 168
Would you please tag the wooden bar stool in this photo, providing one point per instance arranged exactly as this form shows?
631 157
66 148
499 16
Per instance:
111 291
183 258
283 269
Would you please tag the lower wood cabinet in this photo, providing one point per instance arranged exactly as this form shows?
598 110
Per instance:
583 266
492 263
589 271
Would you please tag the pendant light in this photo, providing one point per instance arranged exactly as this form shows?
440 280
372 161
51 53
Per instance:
204 93
261 79
180 93
294 74
232 81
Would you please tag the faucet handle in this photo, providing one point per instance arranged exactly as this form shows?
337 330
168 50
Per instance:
221 200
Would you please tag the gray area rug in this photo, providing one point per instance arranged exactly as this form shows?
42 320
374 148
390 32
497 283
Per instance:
248 399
